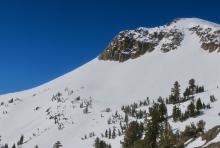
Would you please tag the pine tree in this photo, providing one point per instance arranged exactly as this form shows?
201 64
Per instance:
109 133
212 98
81 105
97 143
133 133
57 145
192 86
163 110
86 110
191 109
13 146
167 101
167 137
208 106
21 141
6 146
123 107
175 93
186 92
202 89
119 132
126 118
190 131
113 134
148 101
201 126
177 114
199 105
106 133
101 144
153 126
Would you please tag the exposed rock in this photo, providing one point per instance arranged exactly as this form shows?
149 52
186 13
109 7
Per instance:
175 37
209 38
131 44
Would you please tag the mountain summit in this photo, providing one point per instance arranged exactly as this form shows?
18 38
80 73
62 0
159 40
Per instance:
130 44
74 109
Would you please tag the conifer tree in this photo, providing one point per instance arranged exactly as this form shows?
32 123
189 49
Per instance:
109 133
119 132
191 109
167 137
212 98
6 146
21 141
203 105
13 146
201 126
175 93
101 144
57 145
190 131
163 110
199 105
133 133
113 134
106 133
153 126
97 143
192 86
126 118
176 113
148 101
186 92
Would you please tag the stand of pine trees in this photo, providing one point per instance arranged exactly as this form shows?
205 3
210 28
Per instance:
175 93
156 131
19 143
193 110
131 109
135 130
191 90
133 133
101 144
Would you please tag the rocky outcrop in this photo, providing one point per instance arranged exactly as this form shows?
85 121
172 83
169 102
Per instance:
131 44
174 39
209 38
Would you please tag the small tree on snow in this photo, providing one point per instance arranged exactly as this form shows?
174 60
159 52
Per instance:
57 145
21 141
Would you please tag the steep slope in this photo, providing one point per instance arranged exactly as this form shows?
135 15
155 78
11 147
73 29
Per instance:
54 111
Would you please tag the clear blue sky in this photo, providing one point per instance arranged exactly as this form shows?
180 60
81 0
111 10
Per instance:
43 39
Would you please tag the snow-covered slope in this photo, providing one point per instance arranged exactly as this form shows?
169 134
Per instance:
52 112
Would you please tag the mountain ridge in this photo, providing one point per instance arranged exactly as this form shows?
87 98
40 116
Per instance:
196 21
109 84
130 44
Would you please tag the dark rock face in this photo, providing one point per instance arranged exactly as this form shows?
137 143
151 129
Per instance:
131 44
209 38
175 38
